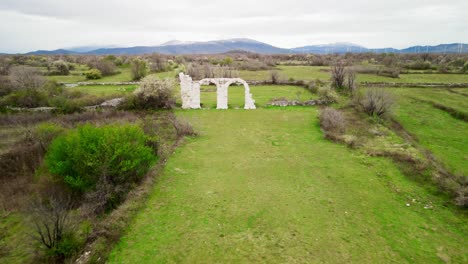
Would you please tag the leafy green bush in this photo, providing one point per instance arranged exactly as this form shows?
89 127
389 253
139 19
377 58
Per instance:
113 155
93 74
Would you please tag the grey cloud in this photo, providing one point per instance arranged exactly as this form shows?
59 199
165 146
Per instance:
28 24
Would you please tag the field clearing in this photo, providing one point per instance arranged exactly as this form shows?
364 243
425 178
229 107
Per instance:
262 94
323 73
445 136
105 90
265 186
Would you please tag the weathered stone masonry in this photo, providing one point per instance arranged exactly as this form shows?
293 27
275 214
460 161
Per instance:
190 91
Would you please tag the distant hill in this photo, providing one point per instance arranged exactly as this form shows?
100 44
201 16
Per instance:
248 45
350 47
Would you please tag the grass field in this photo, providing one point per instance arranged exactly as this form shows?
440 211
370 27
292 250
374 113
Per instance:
105 90
262 94
322 73
264 186
445 136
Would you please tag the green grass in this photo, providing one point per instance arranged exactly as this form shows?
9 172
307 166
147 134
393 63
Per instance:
105 90
263 186
15 239
445 136
322 73
261 94
123 75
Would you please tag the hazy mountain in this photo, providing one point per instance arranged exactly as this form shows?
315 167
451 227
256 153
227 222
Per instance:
82 49
208 47
248 45
339 47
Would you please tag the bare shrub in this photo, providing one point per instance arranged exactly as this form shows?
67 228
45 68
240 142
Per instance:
182 127
53 228
375 102
253 65
24 77
153 93
139 68
5 85
338 75
351 81
327 95
158 63
332 121
5 64
106 67
58 67
195 71
225 72
275 77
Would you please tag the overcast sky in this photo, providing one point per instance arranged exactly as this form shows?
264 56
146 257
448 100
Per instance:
27 25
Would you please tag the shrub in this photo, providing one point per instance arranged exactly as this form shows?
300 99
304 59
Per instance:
45 133
115 155
64 105
152 94
274 77
59 67
375 102
26 98
465 67
139 69
105 66
5 85
338 75
53 228
327 95
24 77
93 74
332 121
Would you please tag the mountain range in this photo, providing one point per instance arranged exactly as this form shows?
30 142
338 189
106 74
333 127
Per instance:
242 44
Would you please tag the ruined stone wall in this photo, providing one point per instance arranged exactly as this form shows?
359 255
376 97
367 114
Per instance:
190 91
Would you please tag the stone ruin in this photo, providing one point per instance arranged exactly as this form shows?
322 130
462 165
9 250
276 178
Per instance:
190 91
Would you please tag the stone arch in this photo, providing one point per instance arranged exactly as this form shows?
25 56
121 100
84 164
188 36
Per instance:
190 91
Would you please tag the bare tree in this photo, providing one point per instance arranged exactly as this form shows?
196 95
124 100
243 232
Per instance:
51 220
351 81
376 102
338 75
24 77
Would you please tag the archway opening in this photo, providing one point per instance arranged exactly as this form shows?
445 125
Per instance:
208 96
236 94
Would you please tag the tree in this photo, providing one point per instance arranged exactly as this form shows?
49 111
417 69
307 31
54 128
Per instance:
375 102
24 77
139 68
338 75
53 228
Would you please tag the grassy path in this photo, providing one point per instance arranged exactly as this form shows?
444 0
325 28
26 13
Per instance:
264 186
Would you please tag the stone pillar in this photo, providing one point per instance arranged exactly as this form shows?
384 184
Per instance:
249 102
189 92
222 94
195 104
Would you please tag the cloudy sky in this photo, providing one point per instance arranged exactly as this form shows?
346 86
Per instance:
27 25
